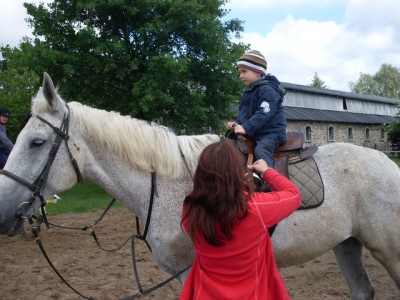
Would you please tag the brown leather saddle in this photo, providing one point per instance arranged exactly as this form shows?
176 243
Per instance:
291 151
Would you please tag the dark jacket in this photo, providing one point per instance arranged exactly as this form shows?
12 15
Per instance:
261 112
5 144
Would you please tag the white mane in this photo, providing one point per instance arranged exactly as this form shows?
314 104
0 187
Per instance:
148 147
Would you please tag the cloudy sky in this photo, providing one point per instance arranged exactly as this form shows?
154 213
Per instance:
338 39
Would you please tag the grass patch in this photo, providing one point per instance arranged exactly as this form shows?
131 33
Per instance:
396 160
83 197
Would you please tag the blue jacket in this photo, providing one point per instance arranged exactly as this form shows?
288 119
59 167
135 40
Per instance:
261 112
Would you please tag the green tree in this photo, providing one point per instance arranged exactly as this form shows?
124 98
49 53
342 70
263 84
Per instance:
385 83
16 91
393 133
365 85
317 82
166 60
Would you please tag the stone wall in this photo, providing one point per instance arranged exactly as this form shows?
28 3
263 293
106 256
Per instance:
340 132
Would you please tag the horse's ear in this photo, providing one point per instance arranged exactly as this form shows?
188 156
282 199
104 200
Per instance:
49 91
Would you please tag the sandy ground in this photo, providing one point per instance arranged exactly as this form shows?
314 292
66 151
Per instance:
25 274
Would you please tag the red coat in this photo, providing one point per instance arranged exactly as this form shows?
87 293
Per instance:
245 268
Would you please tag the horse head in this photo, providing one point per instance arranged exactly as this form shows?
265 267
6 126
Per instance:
42 147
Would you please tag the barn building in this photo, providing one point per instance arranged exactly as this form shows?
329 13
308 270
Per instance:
329 116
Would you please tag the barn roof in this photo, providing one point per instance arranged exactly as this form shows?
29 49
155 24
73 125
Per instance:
335 93
317 115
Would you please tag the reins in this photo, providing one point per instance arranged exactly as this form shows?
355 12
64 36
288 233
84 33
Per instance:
143 238
184 160
138 235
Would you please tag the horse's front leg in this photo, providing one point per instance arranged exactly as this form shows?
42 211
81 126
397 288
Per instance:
349 258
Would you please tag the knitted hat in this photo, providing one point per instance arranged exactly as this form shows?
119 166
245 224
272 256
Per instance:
4 111
253 60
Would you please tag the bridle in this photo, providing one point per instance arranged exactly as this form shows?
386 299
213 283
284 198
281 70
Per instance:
26 209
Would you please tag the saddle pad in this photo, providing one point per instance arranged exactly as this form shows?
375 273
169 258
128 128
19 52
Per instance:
305 175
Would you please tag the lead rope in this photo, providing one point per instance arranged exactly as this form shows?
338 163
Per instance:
39 243
35 233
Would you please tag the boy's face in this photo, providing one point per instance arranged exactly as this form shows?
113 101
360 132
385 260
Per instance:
248 76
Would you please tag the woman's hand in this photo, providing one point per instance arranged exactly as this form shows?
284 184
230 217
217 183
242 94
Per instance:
260 166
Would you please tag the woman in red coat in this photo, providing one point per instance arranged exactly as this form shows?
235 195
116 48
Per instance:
228 224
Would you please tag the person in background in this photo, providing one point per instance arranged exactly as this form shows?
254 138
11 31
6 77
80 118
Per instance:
228 225
261 114
5 144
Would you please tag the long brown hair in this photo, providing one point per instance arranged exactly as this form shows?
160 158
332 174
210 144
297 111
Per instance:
220 193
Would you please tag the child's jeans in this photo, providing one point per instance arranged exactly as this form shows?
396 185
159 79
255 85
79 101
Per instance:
265 150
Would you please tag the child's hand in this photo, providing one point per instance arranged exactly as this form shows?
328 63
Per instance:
239 129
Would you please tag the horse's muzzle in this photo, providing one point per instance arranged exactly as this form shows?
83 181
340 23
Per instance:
11 228
17 226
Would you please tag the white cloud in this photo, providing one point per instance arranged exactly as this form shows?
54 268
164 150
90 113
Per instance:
13 26
10 23
297 48
369 15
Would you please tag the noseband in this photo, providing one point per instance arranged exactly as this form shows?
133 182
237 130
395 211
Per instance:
26 209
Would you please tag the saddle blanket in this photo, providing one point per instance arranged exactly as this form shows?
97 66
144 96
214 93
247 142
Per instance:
305 175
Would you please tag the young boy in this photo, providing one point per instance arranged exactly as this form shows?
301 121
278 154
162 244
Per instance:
261 116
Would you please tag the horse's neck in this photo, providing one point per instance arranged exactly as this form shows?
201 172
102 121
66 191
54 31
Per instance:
130 186
109 169
125 151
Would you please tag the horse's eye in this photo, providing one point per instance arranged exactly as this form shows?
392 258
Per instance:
37 143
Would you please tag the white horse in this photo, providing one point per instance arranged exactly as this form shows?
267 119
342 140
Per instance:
362 187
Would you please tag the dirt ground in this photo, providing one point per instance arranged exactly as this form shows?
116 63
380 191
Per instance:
25 274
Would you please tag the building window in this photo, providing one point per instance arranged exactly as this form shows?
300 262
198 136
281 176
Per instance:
308 133
382 134
331 133
367 134
350 134
344 104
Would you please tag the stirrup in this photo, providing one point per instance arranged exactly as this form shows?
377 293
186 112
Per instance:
257 181
264 187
